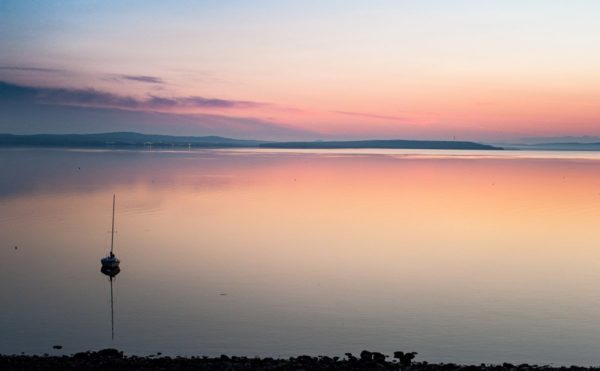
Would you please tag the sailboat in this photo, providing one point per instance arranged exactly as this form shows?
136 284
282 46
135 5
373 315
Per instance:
110 268
111 262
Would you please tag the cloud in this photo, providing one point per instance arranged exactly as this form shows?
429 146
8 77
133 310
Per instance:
31 69
101 99
142 78
196 101
381 117
97 112
26 117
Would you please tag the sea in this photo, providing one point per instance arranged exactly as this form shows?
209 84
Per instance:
461 256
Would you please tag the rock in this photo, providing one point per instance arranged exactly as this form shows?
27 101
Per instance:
110 353
81 355
112 359
378 357
405 358
365 355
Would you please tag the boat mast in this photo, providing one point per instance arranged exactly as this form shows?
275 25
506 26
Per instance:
112 234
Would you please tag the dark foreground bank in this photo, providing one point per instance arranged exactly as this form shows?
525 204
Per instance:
111 359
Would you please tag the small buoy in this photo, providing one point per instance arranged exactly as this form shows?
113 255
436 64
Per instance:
16 247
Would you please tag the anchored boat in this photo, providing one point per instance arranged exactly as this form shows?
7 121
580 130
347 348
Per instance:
111 262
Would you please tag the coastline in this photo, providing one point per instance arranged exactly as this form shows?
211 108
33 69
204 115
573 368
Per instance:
139 140
113 359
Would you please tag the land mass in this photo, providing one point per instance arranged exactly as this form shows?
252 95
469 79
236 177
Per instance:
122 139
130 139
558 146
396 143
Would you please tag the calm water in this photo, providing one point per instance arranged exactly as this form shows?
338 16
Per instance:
461 256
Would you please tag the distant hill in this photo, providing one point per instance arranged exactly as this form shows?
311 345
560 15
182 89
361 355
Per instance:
582 139
129 139
559 146
564 143
121 139
399 144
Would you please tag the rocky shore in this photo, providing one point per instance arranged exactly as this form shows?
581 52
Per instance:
112 359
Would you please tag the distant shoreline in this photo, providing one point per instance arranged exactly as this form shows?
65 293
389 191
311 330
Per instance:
382 144
113 359
137 140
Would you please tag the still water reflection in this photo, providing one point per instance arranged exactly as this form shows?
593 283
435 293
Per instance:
461 256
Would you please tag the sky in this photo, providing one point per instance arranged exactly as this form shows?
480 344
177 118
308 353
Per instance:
488 70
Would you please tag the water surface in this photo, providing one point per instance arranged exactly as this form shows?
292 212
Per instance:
463 256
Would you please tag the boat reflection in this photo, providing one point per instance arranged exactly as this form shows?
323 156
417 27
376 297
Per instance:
111 272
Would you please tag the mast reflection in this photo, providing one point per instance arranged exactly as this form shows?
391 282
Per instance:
111 272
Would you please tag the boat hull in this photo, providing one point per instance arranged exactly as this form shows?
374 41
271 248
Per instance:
110 271
110 262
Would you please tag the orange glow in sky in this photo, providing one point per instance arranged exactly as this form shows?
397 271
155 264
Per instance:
494 70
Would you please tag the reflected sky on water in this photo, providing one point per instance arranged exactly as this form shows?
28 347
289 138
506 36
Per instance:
461 256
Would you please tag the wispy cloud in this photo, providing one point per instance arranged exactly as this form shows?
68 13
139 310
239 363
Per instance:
142 78
369 115
89 111
196 101
31 69
98 98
